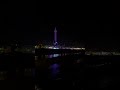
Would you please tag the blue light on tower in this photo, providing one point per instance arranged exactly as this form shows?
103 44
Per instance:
55 37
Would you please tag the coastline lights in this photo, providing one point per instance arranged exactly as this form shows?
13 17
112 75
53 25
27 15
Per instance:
51 47
77 48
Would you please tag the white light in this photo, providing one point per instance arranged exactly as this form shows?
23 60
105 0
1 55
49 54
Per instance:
50 47
55 48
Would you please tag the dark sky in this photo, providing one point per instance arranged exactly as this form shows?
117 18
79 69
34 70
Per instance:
34 21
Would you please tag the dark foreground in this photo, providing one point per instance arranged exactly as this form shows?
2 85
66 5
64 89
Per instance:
80 73
73 72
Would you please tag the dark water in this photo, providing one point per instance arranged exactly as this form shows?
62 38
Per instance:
17 71
74 72
79 73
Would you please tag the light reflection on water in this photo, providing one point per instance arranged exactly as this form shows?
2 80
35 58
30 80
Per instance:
53 55
54 69
50 56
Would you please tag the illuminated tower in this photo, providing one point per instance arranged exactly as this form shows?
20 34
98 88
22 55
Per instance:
55 37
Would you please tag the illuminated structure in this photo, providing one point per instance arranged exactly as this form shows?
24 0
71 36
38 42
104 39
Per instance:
55 44
55 38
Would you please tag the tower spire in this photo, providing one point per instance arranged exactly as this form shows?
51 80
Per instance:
55 37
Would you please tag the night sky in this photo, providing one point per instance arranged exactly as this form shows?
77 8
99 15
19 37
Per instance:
31 22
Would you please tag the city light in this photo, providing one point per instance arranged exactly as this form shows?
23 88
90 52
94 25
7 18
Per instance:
55 48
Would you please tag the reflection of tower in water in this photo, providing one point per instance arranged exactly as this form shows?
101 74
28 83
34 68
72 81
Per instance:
55 70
